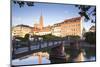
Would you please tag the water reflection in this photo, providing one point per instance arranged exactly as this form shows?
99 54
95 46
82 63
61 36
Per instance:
92 58
33 59
30 60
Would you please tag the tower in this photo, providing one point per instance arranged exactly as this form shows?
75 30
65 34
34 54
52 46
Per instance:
41 22
38 26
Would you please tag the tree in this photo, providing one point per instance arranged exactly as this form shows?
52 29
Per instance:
73 37
26 36
50 37
27 39
89 12
90 37
22 3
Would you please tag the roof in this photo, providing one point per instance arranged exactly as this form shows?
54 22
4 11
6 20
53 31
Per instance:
72 19
21 25
69 20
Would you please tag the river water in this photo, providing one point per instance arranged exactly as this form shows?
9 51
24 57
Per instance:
30 59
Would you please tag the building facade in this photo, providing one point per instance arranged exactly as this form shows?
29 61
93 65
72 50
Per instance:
44 31
56 30
38 26
68 27
21 30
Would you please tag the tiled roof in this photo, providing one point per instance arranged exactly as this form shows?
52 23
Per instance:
68 20
21 25
72 19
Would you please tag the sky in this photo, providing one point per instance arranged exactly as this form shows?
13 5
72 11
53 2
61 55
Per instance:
52 13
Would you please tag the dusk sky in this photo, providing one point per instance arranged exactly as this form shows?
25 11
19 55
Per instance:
52 13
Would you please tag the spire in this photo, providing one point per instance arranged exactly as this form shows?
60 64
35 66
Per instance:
41 21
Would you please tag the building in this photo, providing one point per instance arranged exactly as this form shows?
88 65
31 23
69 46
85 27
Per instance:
41 22
56 30
21 30
44 31
71 26
38 27
92 29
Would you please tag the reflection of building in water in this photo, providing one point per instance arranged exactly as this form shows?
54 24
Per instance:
77 56
21 30
80 57
71 26
41 55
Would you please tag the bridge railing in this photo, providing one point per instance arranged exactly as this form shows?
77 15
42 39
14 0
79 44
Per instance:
24 48
20 47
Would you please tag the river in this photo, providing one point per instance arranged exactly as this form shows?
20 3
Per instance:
30 60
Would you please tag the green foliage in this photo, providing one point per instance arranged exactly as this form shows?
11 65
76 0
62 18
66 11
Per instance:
73 37
20 38
26 37
90 37
89 12
22 3
50 37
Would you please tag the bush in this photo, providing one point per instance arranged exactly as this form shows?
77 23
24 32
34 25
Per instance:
26 37
73 37
50 37
90 37
20 38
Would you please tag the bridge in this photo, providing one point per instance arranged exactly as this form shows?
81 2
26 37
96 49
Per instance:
21 49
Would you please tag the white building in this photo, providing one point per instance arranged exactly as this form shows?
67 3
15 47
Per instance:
72 26
56 30
21 30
